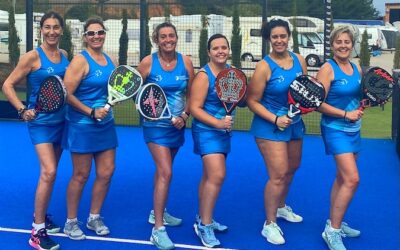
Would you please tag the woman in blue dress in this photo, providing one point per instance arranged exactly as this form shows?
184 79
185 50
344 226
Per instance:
340 129
90 132
173 72
45 130
278 137
210 137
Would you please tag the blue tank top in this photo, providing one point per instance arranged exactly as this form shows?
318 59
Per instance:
275 96
212 105
344 93
174 83
92 90
35 78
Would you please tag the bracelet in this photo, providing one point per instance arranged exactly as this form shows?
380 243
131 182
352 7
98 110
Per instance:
345 114
21 112
185 116
93 114
276 120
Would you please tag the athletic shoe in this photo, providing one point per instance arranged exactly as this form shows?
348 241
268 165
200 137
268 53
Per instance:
273 233
72 230
42 241
333 238
287 213
98 226
347 230
160 239
168 219
214 224
206 235
51 227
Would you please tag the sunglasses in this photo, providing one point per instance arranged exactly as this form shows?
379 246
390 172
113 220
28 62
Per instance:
93 33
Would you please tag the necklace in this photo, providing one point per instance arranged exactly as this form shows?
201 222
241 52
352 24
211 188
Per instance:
165 62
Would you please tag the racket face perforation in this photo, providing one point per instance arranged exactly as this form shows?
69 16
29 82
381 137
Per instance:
123 83
152 102
377 87
231 86
306 93
51 96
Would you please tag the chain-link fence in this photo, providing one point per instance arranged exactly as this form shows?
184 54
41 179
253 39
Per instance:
306 18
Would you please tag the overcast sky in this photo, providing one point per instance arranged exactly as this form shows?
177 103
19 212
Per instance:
380 5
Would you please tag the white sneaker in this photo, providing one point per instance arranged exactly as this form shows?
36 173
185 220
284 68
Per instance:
287 213
273 233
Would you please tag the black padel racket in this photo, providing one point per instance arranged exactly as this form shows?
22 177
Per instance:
377 87
52 95
151 102
305 95
123 83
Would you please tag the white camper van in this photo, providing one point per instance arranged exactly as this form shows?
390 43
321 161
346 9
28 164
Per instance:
310 43
375 36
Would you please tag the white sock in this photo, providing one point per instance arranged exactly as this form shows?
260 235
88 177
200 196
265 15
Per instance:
72 220
93 216
37 227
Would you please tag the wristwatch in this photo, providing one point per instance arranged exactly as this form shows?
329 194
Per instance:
21 112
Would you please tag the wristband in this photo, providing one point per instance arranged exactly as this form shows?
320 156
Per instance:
345 114
276 120
93 114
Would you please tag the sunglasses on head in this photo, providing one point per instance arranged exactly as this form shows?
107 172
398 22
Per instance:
93 33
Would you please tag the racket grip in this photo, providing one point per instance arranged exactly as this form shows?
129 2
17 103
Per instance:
107 106
229 129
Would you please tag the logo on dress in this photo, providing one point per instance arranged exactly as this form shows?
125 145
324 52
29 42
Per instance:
50 70
158 78
98 73
343 81
281 78
181 78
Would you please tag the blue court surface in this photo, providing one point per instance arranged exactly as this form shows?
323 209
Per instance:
375 208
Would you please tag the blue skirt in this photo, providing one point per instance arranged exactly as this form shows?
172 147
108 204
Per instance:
211 142
90 138
46 133
266 130
169 137
340 142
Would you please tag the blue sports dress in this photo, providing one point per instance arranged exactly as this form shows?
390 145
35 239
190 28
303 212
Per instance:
174 83
275 100
46 128
207 139
339 135
84 134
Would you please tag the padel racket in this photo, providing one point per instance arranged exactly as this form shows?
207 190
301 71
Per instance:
231 86
51 96
123 83
305 95
151 102
377 87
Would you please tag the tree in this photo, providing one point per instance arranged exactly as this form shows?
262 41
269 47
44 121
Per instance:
81 11
396 59
295 33
123 40
364 51
236 42
148 42
66 42
13 39
203 55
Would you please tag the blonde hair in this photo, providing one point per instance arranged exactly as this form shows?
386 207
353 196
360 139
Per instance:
337 31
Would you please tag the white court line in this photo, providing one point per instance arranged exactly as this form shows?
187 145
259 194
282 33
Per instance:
141 242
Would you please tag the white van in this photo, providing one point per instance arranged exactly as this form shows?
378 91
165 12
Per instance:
375 36
311 46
